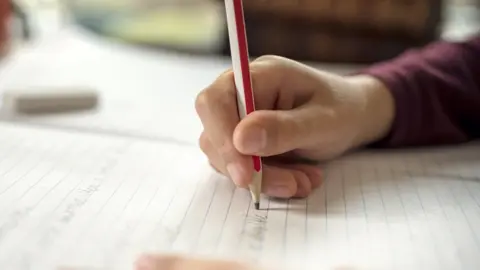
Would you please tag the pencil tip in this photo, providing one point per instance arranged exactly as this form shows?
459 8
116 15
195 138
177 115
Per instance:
257 206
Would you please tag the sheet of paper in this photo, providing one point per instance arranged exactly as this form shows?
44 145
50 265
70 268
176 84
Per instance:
97 202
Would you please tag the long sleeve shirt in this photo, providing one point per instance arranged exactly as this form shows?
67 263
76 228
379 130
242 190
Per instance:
436 91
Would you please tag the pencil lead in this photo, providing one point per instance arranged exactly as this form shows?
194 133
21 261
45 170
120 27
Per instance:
257 206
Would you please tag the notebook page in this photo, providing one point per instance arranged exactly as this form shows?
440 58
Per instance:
97 202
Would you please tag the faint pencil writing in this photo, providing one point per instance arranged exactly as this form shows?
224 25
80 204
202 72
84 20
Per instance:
13 220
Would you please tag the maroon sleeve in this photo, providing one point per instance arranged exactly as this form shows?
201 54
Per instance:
437 94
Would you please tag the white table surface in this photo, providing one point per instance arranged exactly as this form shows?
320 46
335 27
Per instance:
144 93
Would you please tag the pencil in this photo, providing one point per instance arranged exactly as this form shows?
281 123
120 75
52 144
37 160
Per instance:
243 83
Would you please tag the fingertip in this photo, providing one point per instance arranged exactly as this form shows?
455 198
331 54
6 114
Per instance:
238 138
304 185
313 173
237 173
279 182
240 170
155 262
316 177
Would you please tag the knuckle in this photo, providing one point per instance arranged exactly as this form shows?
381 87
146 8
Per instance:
204 143
268 68
220 93
215 167
227 73
270 58
202 101
226 150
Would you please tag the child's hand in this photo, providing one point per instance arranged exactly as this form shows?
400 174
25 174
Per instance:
303 114
163 262
159 262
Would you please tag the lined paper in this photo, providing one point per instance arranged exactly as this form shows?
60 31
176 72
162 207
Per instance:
97 202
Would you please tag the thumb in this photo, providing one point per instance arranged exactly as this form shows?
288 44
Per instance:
268 133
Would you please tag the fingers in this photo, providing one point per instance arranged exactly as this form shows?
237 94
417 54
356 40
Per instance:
169 262
218 113
213 157
313 173
290 181
268 133
217 109
160 262
279 180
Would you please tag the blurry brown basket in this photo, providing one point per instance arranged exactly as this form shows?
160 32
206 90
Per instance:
340 30
5 13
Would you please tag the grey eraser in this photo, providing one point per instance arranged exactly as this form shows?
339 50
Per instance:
49 100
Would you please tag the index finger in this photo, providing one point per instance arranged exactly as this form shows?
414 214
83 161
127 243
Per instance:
217 108
172 262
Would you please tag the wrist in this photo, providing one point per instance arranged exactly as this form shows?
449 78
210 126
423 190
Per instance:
377 112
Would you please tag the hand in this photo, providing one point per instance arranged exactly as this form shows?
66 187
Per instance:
164 262
160 262
302 115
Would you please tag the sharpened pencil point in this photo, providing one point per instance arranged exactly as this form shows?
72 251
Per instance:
257 206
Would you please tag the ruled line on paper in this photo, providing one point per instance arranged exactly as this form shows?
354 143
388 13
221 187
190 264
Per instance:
233 227
114 224
175 228
49 188
285 229
316 227
209 237
417 163
197 211
167 228
253 232
459 195
398 230
433 213
39 218
472 205
22 173
88 195
83 230
243 250
355 213
209 211
295 248
388 257
53 224
19 192
158 232
12 147
126 247
451 218
275 232
163 200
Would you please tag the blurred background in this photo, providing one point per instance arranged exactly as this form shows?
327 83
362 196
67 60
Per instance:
353 31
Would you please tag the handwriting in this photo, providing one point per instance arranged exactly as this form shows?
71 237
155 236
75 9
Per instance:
13 220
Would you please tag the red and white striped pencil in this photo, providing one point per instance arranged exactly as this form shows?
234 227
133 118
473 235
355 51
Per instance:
241 70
